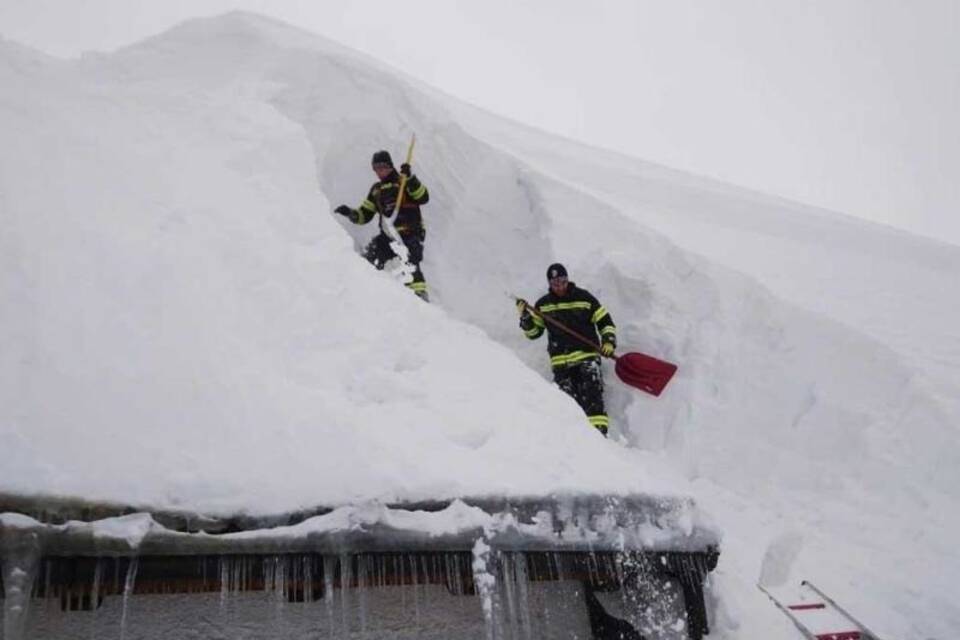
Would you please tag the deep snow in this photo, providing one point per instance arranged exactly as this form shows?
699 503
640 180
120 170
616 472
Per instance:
186 325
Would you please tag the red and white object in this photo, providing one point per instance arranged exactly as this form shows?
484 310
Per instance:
817 615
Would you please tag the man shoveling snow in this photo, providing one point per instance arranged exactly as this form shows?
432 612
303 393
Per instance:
576 370
400 232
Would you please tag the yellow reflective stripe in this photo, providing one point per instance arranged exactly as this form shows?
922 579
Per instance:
538 321
599 420
533 332
566 359
609 330
599 314
367 205
418 193
564 306
417 286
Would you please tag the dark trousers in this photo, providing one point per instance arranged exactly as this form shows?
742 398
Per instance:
379 252
584 383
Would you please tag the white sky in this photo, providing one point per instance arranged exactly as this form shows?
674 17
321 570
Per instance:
846 104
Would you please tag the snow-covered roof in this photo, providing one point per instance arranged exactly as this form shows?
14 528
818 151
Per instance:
186 326
191 328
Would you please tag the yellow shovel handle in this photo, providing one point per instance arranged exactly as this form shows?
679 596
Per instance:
403 178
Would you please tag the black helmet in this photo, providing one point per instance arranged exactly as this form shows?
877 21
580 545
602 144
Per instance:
382 157
556 270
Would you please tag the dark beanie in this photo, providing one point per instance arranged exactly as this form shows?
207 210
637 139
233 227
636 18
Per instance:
556 270
382 157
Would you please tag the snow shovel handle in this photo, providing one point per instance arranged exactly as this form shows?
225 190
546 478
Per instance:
403 178
559 325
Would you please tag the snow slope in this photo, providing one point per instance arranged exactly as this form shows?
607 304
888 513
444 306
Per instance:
184 314
878 280
190 327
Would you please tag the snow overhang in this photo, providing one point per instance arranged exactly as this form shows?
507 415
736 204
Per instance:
554 523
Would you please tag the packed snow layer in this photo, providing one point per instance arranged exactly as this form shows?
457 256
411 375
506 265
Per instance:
572 524
880 281
831 453
190 326
825 444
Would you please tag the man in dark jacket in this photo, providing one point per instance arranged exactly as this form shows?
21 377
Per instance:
576 367
382 201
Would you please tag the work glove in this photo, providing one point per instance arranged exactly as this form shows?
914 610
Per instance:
344 210
405 169
523 307
607 349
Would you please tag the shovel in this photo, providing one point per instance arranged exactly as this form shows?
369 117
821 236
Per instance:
635 369
406 270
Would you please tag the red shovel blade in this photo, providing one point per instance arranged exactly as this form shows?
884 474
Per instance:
645 372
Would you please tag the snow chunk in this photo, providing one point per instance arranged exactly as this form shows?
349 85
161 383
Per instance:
18 521
131 528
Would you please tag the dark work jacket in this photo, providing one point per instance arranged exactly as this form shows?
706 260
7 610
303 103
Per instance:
382 200
579 311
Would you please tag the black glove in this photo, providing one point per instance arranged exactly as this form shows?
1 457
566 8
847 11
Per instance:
405 169
344 210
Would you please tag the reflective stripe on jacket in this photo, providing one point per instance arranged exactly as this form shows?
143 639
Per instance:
382 199
579 311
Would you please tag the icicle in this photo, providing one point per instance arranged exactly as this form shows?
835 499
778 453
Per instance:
328 568
242 566
506 584
399 570
127 591
346 580
425 581
268 563
415 577
458 572
21 559
453 573
363 582
95 596
307 578
224 582
523 582
295 579
280 575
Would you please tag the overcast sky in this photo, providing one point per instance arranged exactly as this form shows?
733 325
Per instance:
847 104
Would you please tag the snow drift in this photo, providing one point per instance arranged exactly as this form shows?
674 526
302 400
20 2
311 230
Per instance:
189 327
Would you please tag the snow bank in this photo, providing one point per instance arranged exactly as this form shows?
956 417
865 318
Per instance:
829 421
189 327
